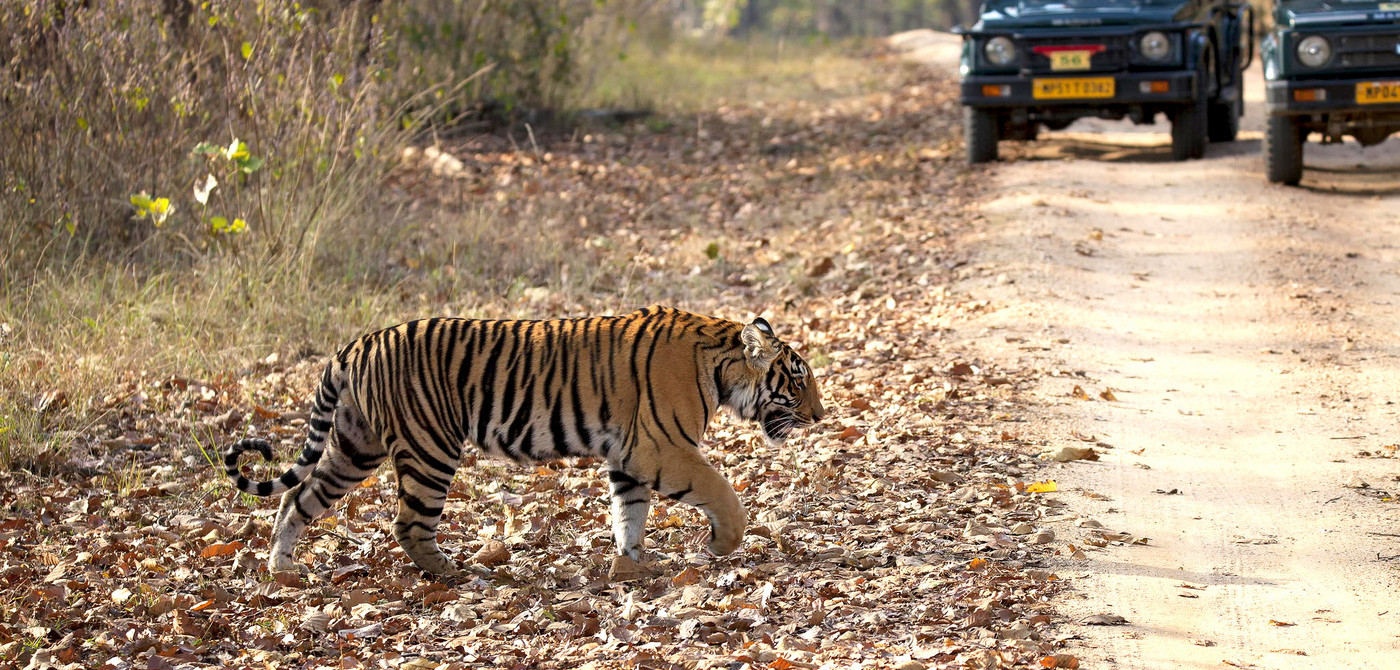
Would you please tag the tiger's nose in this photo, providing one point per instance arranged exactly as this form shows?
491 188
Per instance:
818 412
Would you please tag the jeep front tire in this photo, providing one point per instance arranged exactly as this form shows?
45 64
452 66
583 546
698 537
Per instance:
980 132
1283 150
1189 130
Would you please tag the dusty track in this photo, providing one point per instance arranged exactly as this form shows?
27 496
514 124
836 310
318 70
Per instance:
1247 337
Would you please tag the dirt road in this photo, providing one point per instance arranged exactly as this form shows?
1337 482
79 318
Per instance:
1232 348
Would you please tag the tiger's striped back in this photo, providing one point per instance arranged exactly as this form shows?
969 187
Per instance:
530 390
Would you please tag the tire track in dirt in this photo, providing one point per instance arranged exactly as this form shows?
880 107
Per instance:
1249 335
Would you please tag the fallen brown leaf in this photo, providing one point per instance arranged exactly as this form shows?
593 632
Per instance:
221 549
494 552
624 569
686 577
1105 620
1067 454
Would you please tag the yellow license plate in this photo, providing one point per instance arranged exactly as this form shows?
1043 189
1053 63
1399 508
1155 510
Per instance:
1375 92
1079 87
1070 60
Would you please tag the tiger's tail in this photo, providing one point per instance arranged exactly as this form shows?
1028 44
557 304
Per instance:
322 418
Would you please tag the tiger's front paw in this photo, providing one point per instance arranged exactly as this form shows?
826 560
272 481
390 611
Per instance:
726 537
286 564
722 545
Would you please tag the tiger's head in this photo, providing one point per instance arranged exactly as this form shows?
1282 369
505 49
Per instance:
778 390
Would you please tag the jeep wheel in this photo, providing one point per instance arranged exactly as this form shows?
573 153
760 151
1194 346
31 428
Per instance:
1189 131
980 131
1224 122
1283 150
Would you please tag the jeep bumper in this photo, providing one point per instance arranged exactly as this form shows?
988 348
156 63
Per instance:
1308 96
1129 88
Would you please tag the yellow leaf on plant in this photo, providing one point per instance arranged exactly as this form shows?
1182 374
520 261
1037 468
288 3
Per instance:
1042 487
236 149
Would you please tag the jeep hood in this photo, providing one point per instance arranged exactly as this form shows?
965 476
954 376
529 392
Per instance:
1302 13
1031 13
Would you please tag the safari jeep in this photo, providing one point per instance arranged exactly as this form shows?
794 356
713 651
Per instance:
1331 67
1032 63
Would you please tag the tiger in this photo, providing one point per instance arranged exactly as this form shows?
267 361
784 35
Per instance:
636 390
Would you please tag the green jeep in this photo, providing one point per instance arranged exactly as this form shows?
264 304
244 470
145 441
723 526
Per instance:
1331 67
1032 63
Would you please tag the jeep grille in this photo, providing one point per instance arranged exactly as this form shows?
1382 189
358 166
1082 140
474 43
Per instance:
1113 57
1376 50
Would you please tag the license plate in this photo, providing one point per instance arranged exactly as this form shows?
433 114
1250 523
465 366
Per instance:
1375 92
1083 87
1070 60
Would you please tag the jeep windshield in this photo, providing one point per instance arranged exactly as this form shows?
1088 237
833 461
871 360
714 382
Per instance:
1324 5
1079 4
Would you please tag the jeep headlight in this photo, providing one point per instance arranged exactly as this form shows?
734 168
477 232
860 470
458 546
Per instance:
1155 46
1314 51
1000 51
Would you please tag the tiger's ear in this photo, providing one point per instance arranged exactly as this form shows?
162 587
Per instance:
760 344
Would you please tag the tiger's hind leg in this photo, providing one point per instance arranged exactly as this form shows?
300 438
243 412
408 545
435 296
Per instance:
422 496
354 453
